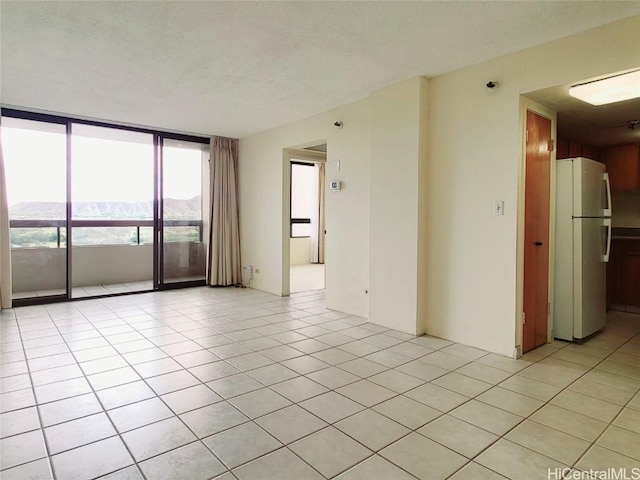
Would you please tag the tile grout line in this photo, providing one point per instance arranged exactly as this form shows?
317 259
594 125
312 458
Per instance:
252 420
329 425
397 395
159 397
104 410
35 398
609 424
387 368
548 402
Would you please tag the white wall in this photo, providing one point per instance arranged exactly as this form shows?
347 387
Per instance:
46 268
393 205
300 251
38 269
475 157
469 286
111 264
423 209
474 142
264 225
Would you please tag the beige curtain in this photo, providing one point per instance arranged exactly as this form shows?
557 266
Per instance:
318 236
5 245
223 259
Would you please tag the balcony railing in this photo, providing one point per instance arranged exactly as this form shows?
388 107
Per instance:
60 225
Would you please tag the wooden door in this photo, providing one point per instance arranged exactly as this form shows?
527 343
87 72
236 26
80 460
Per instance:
536 235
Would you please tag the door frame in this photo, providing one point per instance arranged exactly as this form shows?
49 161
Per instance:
528 104
159 280
289 155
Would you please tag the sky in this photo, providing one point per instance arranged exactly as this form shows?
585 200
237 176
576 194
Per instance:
35 164
103 169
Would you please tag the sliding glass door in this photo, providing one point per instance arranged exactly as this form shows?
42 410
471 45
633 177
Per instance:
35 155
112 195
98 209
185 199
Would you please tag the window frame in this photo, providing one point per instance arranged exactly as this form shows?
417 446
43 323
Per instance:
158 137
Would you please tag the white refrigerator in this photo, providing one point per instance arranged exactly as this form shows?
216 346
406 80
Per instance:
583 241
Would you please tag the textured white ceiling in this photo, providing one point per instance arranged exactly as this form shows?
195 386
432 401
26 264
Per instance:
236 68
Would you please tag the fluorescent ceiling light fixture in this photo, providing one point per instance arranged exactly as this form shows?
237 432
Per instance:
609 90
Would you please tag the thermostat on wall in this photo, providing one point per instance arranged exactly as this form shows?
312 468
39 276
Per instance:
335 185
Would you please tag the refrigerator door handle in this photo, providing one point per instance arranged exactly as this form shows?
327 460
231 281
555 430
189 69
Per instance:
605 257
607 186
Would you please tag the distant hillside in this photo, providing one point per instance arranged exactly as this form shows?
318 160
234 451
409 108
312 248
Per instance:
183 209
174 209
36 210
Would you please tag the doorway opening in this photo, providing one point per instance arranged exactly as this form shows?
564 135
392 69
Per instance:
306 223
610 135
601 261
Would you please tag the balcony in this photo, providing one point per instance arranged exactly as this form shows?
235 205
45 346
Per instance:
108 256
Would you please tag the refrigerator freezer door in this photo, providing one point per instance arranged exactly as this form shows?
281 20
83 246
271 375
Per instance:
589 190
589 276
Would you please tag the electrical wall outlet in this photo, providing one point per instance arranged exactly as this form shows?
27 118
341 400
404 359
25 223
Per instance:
247 271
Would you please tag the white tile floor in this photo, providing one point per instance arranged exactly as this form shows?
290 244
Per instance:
236 384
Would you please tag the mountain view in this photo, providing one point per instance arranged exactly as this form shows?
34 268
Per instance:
174 209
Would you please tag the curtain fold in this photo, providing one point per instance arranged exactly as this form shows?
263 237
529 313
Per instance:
223 258
314 227
321 225
317 234
5 245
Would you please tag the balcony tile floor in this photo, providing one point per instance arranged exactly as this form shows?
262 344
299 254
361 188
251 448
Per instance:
233 383
90 291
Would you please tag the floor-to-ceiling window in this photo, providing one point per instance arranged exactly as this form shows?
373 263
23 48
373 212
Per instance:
128 203
35 156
